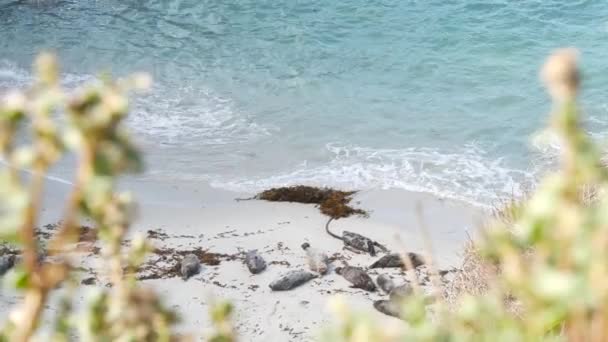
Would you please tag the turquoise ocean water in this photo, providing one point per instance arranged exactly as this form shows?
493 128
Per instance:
428 95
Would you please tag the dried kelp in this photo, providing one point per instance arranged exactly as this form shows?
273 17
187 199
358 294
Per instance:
333 203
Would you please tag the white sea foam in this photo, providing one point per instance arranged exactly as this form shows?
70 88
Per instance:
193 117
188 115
468 175
184 115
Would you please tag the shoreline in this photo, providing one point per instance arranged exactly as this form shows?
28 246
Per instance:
198 215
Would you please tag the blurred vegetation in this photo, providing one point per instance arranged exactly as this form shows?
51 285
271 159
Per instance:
37 128
546 257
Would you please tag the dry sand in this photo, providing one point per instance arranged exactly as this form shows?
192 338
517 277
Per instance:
199 216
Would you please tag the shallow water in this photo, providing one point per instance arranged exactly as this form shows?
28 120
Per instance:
431 95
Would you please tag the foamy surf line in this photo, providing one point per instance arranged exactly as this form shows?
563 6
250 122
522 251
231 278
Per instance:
469 176
48 177
169 113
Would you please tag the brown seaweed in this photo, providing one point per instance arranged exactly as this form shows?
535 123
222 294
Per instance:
333 203
168 262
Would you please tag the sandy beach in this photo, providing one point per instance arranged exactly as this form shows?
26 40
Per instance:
188 216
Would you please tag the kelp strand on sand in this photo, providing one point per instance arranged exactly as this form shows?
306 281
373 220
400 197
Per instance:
167 265
333 203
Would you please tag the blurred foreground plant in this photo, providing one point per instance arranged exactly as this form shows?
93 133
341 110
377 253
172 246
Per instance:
552 253
86 122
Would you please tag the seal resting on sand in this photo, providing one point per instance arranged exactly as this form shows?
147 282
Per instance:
400 292
396 260
6 263
317 260
291 279
190 266
357 277
385 283
392 306
356 241
255 263
388 307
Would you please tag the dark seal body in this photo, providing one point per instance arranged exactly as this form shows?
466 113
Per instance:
388 307
385 283
393 305
357 277
190 266
6 263
396 260
356 241
359 242
291 279
399 293
255 263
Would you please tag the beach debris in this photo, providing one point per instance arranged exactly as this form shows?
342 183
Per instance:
291 279
6 263
397 260
190 266
333 203
355 241
357 277
85 233
156 234
165 262
448 276
317 260
388 307
255 263
385 282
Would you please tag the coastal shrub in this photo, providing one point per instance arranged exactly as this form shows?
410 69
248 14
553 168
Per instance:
38 128
550 252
